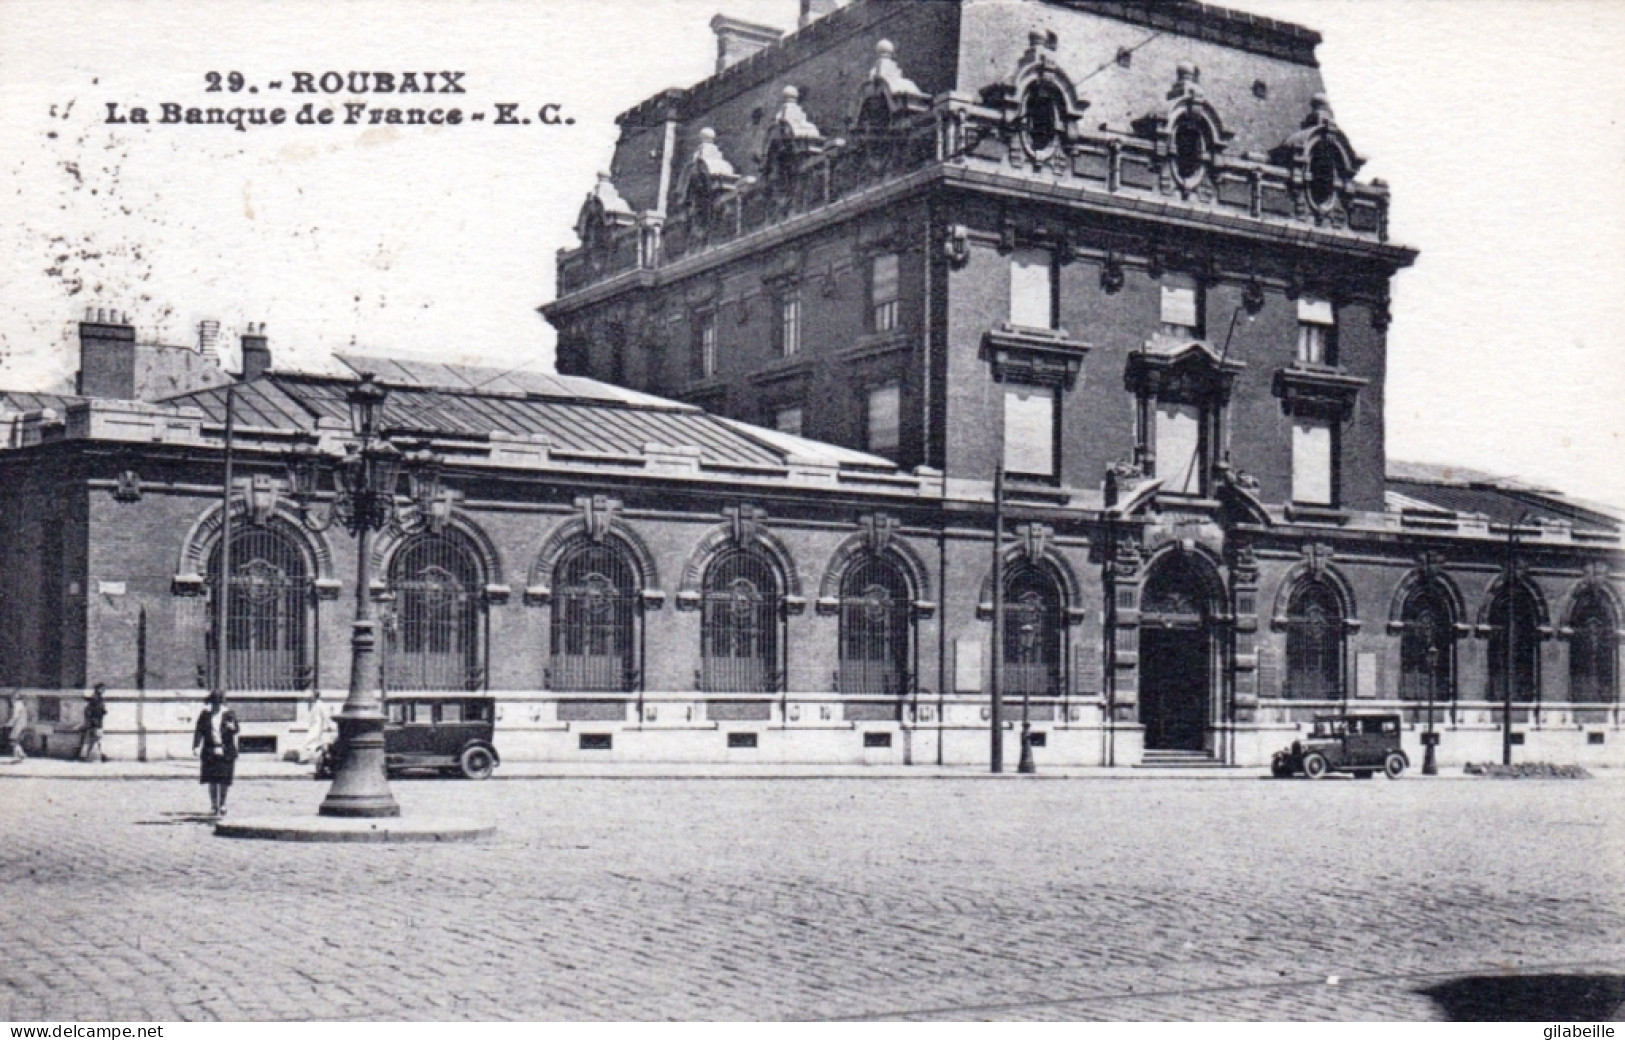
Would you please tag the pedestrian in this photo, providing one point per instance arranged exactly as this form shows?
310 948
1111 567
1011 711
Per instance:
214 742
90 735
318 729
17 727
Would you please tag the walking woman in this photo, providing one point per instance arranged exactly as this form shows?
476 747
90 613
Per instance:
214 742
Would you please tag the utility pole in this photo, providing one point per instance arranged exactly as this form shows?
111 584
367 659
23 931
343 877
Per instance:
222 588
996 715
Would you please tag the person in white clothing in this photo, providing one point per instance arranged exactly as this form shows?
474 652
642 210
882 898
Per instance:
318 728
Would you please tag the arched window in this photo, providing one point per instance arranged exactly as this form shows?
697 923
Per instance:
1314 643
1043 118
436 636
595 616
875 628
740 624
1190 150
1525 645
1427 651
1032 633
1323 173
268 612
1593 651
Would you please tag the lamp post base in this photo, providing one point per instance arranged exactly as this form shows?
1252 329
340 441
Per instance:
1026 765
360 783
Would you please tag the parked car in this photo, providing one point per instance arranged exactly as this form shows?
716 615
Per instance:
450 735
1358 744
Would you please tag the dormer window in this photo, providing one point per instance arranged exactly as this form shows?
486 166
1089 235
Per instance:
1042 119
1317 327
1323 174
1190 150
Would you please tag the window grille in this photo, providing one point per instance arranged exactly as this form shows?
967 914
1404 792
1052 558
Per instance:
875 628
1525 646
269 613
1314 644
1593 652
740 626
595 617
883 292
1032 634
436 637
1429 624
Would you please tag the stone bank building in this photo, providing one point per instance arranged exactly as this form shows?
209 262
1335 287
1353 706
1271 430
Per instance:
1118 252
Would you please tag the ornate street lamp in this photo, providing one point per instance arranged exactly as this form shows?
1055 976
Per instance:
366 484
1028 637
1430 739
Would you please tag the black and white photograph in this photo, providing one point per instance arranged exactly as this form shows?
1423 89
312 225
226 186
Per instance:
947 511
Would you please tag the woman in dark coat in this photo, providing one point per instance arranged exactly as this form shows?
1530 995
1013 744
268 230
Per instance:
214 742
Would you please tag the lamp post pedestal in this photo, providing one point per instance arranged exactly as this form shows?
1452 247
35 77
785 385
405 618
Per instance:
1430 739
360 782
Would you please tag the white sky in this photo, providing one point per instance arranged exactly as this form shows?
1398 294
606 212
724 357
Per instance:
1497 123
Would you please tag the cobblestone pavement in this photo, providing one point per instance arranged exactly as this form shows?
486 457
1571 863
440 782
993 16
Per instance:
751 899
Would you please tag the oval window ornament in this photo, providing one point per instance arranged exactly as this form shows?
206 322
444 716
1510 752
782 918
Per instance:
1042 119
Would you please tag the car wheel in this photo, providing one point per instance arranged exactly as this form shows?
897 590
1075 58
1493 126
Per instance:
1280 768
1393 766
477 763
1315 765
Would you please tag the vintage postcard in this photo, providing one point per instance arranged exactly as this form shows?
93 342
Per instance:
811 510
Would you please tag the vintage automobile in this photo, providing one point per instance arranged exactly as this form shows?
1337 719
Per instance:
1358 744
445 734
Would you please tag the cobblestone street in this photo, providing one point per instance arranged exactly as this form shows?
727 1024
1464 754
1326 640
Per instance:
812 898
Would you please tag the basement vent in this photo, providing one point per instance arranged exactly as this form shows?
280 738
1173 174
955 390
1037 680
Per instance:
256 745
1596 737
877 740
1037 739
741 740
597 741
1517 738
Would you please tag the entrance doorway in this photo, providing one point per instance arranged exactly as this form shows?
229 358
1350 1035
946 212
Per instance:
1176 655
1175 677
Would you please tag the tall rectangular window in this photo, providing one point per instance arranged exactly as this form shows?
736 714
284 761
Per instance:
705 345
1182 310
883 293
1029 430
788 420
883 421
1312 463
1032 289
1316 323
790 322
1179 448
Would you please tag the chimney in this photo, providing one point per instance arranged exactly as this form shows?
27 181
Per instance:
106 355
256 352
812 10
738 40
